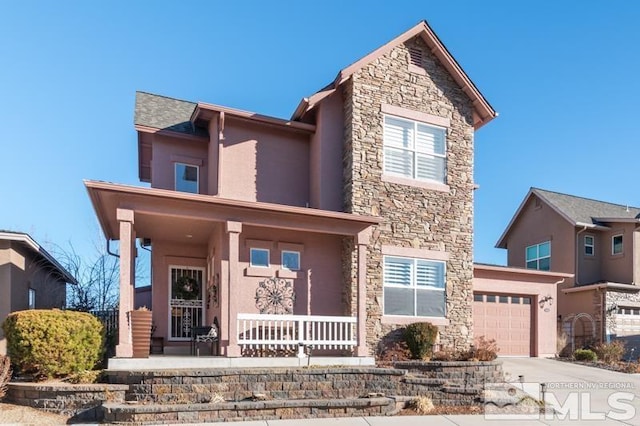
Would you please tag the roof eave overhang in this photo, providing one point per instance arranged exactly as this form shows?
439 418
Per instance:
502 241
201 110
483 111
603 286
341 221
524 271
163 132
616 220
34 246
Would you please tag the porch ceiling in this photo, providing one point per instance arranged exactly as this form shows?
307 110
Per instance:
172 215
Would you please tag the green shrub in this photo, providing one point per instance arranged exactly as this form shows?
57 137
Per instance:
610 353
53 343
420 337
585 355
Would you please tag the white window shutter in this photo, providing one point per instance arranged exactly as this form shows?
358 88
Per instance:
430 274
398 133
397 271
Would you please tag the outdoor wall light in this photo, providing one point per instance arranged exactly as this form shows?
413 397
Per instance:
548 299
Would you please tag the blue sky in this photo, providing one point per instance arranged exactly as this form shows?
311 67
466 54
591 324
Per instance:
562 75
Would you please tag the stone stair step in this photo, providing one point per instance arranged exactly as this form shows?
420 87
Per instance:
246 410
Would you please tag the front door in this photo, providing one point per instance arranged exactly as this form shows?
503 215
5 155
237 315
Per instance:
186 301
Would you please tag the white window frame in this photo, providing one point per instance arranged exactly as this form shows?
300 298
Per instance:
591 245
613 245
414 152
538 258
175 176
413 284
31 298
253 265
282 253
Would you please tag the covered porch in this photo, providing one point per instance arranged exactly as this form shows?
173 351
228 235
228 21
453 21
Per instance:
277 281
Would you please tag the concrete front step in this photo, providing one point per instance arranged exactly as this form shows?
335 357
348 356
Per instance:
246 410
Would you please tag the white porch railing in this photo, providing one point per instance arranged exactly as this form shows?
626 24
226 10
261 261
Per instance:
261 331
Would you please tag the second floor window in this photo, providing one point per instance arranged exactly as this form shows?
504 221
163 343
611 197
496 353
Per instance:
616 244
414 150
538 256
187 178
589 245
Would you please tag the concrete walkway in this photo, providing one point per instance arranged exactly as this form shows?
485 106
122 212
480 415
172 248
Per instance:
586 395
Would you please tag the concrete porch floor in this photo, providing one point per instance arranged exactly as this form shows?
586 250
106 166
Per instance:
173 362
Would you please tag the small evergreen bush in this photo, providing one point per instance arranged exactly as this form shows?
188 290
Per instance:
585 355
420 337
53 343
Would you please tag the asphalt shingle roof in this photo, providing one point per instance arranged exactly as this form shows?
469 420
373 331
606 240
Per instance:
585 210
161 112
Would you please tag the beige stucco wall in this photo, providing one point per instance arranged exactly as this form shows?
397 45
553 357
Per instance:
412 216
166 151
537 224
618 268
264 163
326 155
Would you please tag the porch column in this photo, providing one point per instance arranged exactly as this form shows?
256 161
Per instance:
233 232
127 280
362 240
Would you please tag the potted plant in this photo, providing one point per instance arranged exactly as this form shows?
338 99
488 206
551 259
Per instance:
140 331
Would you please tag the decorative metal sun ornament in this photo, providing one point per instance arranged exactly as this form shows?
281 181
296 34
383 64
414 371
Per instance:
275 296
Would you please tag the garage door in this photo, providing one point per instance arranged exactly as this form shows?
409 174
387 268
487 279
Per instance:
627 321
505 318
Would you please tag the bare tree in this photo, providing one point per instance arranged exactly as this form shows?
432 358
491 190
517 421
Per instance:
97 277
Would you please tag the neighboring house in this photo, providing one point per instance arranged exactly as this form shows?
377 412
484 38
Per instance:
596 241
362 201
30 277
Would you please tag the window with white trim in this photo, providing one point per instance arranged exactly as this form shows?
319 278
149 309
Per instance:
32 298
259 257
414 287
187 178
414 150
616 244
589 245
290 260
538 256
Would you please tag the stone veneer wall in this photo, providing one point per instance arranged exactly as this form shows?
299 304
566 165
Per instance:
412 217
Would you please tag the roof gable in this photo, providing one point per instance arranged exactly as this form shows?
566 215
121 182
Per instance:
31 244
483 111
578 211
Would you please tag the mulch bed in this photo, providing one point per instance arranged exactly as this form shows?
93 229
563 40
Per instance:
444 410
620 366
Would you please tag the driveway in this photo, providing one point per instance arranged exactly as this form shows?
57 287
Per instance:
587 395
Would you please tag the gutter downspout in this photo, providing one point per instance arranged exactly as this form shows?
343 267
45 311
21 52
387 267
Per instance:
109 249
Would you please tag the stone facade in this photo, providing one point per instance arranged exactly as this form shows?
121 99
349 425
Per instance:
413 217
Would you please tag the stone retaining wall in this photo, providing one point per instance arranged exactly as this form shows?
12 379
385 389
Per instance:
81 402
254 411
182 396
